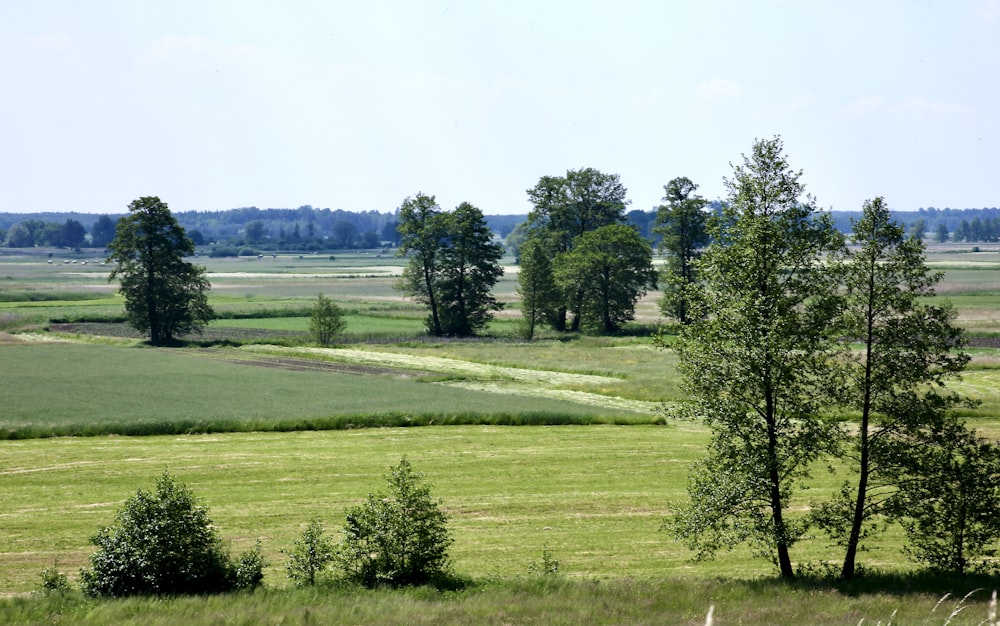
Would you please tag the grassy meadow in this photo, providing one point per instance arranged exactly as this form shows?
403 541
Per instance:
560 444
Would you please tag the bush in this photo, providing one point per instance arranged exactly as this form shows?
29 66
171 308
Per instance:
249 568
326 320
54 581
313 551
163 543
398 538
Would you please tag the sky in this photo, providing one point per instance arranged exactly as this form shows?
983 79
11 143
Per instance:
213 105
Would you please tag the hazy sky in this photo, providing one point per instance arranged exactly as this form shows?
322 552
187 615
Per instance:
356 105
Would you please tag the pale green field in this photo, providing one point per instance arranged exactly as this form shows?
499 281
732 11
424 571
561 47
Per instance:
595 496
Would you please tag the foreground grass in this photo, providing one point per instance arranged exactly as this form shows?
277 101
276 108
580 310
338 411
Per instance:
529 600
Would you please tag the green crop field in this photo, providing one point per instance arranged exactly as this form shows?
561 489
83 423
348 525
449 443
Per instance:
265 428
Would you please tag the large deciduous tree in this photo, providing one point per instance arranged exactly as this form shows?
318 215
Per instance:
895 382
470 266
453 265
164 294
421 231
754 359
611 268
566 207
681 223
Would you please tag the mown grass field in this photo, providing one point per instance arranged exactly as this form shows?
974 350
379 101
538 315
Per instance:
594 495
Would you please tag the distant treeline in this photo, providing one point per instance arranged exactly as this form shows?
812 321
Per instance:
310 228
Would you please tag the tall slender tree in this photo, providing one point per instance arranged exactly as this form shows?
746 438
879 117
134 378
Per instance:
421 230
910 347
536 284
164 294
754 359
470 267
681 224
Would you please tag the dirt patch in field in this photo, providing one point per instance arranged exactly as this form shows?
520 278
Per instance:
306 364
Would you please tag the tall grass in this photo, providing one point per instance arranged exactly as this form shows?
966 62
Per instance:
522 600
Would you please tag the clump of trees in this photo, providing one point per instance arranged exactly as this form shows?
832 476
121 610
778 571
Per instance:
165 295
769 353
453 265
585 268
163 542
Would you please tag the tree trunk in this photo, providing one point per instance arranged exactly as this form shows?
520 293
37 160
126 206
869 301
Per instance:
850 556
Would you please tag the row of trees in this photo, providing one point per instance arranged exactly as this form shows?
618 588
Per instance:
31 233
789 327
581 265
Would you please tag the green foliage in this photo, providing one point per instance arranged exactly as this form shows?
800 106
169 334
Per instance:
896 381
326 320
536 285
609 269
162 542
53 581
753 359
566 207
548 565
396 538
164 294
453 265
248 570
949 495
681 224
311 555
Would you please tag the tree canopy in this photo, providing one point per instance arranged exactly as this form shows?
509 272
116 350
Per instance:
566 207
752 359
681 224
453 265
164 294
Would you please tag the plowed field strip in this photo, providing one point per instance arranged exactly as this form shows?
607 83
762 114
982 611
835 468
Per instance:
304 364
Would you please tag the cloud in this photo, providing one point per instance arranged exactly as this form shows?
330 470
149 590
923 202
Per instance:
872 105
865 105
799 103
170 49
988 10
717 89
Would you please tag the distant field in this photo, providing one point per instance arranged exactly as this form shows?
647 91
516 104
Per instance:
65 388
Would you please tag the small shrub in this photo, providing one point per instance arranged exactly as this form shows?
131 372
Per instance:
312 553
547 566
249 568
161 542
53 581
396 538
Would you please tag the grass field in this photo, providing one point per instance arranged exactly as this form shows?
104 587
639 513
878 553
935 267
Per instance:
594 495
